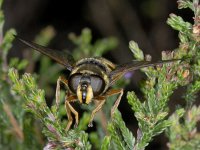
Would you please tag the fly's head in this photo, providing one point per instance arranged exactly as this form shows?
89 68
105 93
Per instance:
86 86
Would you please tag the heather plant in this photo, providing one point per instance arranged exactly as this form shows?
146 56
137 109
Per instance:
27 122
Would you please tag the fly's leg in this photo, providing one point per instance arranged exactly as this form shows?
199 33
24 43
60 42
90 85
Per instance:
116 104
68 99
96 110
70 110
60 80
102 101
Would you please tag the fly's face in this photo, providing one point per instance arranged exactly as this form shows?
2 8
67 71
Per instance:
86 86
84 90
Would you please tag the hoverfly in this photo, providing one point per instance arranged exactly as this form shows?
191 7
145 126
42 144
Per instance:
89 79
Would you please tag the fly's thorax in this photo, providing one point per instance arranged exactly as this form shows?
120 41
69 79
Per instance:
100 62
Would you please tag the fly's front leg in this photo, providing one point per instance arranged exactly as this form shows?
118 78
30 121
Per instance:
102 101
116 104
61 79
70 110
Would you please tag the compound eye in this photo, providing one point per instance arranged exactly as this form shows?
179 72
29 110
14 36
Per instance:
97 84
74 81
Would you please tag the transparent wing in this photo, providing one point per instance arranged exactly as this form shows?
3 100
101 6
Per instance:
62 57
120 70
